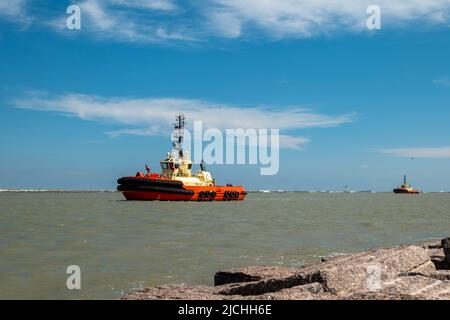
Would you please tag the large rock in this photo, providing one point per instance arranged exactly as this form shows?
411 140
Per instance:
408 287
372 269
445 243
404 272
250 274
311 291
339 276
174 292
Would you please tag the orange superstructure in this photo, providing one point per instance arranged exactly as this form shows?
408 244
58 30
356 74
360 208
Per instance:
176 182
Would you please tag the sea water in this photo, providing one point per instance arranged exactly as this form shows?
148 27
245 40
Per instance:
121 246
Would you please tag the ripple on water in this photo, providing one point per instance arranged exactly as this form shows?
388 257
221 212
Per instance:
122 246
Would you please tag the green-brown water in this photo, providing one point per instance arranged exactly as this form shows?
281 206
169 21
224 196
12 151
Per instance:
123 245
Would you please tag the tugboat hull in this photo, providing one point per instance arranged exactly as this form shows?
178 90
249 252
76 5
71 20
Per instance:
145 189
403 191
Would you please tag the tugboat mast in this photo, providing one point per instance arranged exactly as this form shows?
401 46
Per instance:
179 134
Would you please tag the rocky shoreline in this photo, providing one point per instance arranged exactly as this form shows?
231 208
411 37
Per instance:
419 271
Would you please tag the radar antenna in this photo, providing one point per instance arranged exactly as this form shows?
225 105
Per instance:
179 134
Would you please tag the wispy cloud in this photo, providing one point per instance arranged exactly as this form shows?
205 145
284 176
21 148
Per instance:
156 21
442 81
293 142
15 10
150 131
118 20
137 21
306 18
154 116
436 153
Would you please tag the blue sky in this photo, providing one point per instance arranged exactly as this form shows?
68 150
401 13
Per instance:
79 108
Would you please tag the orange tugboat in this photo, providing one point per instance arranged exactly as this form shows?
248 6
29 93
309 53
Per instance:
176 182
406 188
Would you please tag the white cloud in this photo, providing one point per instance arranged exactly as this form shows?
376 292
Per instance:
292 142
135 21
305 18
162 21
436 153
97 14
153 116
442 81
15 10
151 131
161 33
226 24
116 20
12 7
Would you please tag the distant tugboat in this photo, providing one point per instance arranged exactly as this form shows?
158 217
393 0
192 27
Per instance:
406 188
176 181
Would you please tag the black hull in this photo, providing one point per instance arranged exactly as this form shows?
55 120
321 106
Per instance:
172 190
402 191
132 181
